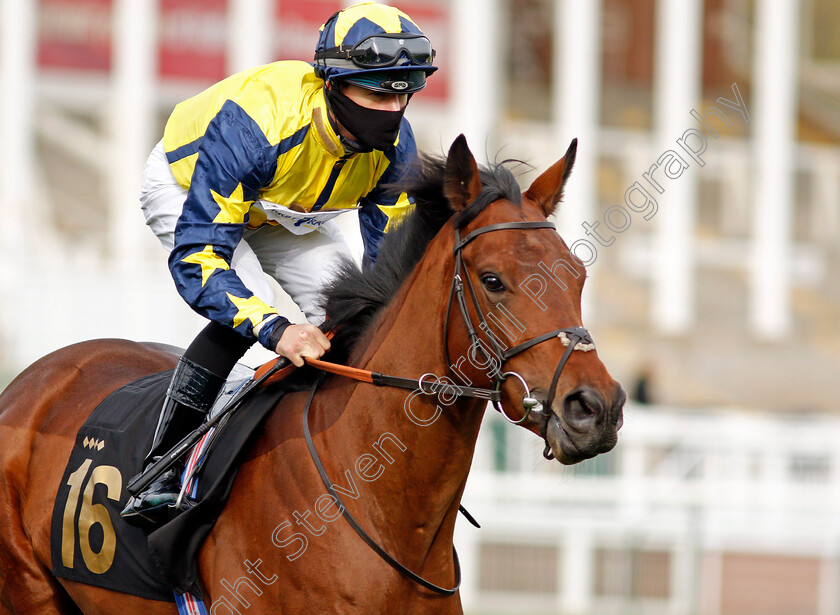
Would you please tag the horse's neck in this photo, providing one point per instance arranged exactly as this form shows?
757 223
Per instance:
431 457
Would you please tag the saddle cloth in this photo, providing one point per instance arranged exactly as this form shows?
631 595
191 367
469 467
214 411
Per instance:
92 544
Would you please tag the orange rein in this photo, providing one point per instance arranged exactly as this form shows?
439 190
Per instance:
270 373
362 375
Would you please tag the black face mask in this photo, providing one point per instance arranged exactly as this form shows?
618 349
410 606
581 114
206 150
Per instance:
373 128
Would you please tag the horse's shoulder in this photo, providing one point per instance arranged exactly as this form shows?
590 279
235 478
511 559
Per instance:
283 424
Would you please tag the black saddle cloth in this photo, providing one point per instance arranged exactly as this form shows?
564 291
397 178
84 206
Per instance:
92 544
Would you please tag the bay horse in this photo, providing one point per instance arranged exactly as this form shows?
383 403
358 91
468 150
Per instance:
401 459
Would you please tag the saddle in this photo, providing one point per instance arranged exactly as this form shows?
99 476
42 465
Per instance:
110 448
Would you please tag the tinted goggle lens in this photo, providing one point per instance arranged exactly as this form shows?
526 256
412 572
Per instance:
386 51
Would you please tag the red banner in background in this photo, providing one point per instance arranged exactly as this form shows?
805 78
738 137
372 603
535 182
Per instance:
192 36
192 39
74 34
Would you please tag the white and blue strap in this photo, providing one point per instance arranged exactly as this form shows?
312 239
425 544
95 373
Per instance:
190 605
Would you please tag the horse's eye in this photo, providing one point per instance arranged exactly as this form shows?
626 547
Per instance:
492 283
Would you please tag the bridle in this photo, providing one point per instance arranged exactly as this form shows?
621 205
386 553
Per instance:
574 338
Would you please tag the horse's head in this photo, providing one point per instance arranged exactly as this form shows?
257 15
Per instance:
522 293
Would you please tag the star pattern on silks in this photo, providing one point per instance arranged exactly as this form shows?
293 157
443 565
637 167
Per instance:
396 212
252 309
233 208
208 260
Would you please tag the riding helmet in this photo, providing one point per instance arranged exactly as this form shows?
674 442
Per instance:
374 46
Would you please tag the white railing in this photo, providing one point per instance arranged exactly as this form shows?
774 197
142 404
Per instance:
686 485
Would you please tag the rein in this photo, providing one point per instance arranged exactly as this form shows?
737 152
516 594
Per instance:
355 524
378 379
363 375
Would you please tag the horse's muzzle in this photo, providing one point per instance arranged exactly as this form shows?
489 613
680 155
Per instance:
585 424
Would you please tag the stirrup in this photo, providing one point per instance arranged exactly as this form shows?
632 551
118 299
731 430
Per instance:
153 516
138 512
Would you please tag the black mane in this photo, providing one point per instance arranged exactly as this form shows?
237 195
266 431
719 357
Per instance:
355 297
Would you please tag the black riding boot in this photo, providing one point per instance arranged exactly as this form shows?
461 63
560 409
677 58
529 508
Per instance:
188 400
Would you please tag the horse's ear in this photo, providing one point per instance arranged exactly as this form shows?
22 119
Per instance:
547 189
461 181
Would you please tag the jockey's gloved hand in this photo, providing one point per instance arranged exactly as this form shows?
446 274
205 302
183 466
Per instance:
297 341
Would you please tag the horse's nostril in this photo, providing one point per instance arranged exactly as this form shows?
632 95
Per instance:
582 408
585 407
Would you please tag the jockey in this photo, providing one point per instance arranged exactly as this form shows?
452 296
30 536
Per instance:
247 179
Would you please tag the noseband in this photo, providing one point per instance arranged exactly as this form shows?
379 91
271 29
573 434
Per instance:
574 338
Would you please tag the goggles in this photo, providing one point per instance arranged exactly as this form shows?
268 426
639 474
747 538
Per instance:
383 50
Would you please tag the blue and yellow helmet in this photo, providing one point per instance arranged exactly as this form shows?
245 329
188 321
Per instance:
374 46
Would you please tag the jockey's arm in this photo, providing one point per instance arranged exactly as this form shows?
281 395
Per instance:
233 164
